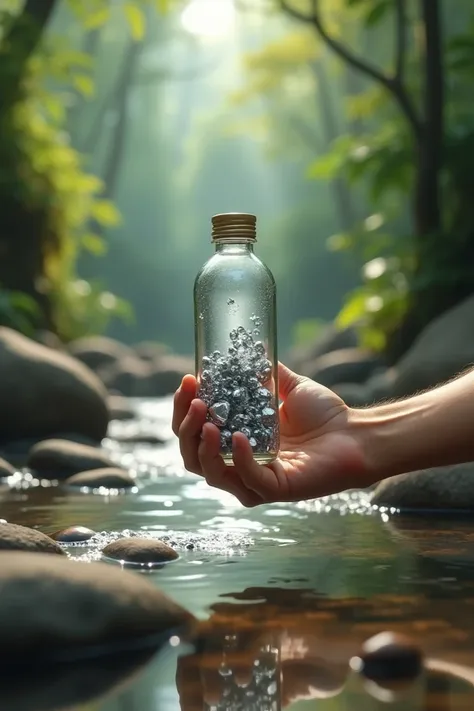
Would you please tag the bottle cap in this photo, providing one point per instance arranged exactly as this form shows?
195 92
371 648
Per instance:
234 227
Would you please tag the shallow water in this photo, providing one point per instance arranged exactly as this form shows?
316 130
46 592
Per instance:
286 593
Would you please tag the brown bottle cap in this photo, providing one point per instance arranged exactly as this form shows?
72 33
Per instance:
234 227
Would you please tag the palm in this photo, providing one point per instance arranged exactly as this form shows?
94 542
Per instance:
317 454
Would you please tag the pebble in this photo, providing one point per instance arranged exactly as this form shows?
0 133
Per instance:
109 478
21 538
140 550
73 534
389 656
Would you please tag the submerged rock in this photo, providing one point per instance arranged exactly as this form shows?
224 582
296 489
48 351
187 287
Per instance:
389 656
21 538
140 550
6 469
73 534
59 459
108 478
47 392
441 488
50 605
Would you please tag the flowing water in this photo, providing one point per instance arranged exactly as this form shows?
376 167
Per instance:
286 594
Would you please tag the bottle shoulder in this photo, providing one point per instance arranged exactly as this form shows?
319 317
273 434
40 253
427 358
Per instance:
234 267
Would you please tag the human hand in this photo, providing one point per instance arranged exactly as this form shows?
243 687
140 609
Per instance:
319 452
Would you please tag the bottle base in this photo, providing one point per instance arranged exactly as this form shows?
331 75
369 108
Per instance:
260 458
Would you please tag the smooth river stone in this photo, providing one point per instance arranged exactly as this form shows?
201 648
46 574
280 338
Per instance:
60 458
73 534
389 656
21 538
108 478
140 550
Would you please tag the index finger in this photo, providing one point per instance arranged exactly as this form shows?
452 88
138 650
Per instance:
182 400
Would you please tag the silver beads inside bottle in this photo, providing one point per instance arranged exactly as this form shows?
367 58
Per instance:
234 387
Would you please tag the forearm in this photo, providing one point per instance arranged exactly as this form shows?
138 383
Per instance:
432 429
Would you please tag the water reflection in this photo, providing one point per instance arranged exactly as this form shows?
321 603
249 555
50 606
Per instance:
267 649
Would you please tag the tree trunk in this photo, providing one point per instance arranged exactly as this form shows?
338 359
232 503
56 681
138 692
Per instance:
429 298
345 213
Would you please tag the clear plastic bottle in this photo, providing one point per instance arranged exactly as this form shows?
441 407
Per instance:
236 339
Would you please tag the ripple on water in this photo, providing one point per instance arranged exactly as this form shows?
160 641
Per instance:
219 543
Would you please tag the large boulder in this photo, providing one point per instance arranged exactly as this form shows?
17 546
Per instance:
50 605
129 376
442 350
331 339
151 350
98 351
60 459
46 392
439 489
350 365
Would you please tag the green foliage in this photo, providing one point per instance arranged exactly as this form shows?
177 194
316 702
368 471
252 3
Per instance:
307 331
41 171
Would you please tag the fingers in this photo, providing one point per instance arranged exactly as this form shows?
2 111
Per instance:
217 473
190 435
287 380
182 400
267 482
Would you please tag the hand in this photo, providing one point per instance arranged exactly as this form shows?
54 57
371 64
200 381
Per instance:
319 452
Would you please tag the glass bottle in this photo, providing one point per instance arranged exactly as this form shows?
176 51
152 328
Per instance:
236 339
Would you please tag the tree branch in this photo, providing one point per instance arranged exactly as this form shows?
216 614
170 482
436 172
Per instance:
401 45
391 84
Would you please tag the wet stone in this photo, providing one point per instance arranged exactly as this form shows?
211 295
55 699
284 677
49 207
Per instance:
6 469
108 478
145 551
73 534
21 538
59 459
389 656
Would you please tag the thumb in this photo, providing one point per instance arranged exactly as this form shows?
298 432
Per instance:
287 381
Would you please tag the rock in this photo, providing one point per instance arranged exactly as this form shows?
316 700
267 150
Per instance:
441 351
151 350
49 339
140 550
168 374
47 392
380 386
353 394
139 438
73 534
129 376
50 605
441 488
6 469
18 450
119 408
59 459
20 538
331 339
110 478
98 351
389 656
72 685
346 366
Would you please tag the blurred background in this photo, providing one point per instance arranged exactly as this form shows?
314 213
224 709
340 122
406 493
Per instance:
347 126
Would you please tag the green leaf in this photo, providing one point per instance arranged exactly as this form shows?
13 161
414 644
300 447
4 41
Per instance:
136 20
94 244
105 213
325 168
97 19
353 311
377 13
162 6
84 84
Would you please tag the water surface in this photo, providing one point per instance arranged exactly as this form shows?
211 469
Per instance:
286 594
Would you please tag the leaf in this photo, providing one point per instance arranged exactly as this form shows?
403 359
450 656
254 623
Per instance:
377 13
94 244
105 213
84 85
354 309
325 168
162 6
97 19
136 20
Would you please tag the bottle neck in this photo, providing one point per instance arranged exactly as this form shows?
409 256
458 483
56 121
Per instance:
234 247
